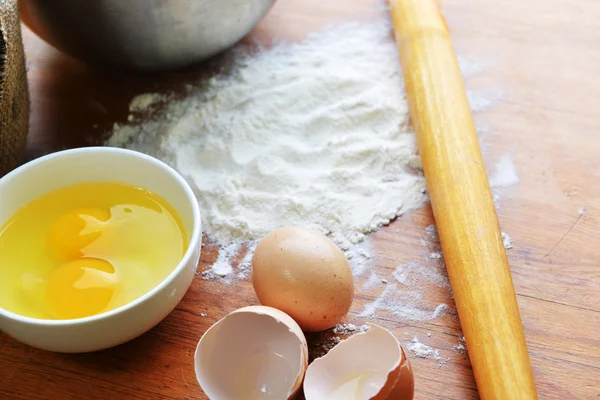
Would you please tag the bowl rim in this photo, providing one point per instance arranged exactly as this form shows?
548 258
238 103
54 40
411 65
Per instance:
193 242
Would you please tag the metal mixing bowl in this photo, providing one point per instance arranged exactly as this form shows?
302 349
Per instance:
145 35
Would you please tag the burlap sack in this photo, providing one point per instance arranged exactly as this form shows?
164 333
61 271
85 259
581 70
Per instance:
14 94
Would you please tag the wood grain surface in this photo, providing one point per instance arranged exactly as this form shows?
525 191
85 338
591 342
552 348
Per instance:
540 57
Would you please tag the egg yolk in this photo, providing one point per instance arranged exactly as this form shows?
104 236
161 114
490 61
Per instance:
74 230
81 288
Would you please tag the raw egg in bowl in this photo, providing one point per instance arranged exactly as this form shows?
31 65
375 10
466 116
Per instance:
97 246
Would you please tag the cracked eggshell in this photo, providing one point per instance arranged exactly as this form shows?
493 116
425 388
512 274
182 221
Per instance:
254 350
370 365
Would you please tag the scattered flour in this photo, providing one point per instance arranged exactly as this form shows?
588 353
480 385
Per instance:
350 329
401 273
508 243
441 360
431 232
314 134
403 298
226 269
363 253
480 101
419 349
372 282
503 176
505 173
222 268
439 309
143 102
245 266
461 347
359 257
371 308
434 273
405 304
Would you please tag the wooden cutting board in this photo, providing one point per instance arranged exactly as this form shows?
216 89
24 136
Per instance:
540 57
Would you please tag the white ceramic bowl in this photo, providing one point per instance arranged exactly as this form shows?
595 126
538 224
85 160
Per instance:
120 325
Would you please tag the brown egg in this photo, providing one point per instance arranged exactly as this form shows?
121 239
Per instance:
304 274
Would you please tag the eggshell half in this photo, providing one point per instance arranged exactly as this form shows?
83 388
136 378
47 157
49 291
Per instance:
254 349
370 365
405 386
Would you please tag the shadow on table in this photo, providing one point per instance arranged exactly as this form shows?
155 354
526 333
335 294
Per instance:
74 104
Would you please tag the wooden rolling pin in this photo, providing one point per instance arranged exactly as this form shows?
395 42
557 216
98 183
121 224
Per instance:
462 203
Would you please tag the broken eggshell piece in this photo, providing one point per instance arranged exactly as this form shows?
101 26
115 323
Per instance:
254 352
370 365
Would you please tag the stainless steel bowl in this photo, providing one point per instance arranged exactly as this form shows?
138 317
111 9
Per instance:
147 35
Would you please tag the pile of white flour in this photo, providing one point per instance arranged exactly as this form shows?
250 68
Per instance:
313 134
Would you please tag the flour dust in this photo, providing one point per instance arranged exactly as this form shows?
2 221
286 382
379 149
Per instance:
314 134
503 176
403 294
421 350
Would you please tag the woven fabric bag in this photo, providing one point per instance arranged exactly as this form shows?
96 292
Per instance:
14 94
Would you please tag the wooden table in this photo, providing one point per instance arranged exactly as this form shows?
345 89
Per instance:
543 58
